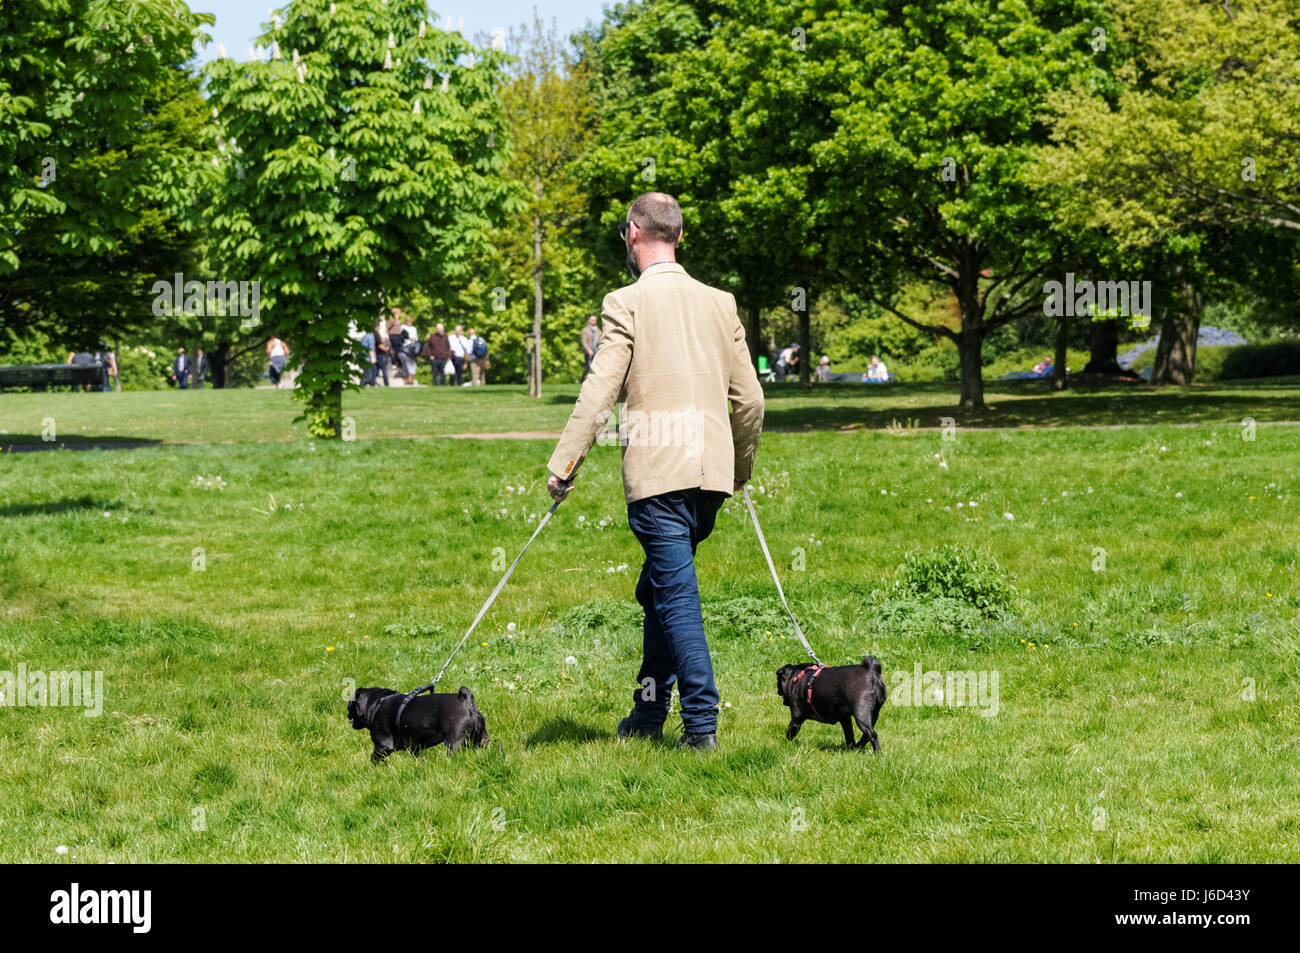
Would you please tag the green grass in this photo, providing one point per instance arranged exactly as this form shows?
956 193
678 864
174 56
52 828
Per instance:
1120 691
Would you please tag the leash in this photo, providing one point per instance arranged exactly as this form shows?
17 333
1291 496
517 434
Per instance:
406 699
763 542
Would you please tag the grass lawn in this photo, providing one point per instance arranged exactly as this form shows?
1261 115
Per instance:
232 592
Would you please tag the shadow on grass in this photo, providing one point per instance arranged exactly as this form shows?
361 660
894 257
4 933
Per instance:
31 442
561 730
58 507
1029 403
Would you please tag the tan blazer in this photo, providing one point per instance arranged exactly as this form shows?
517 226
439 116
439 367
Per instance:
673 349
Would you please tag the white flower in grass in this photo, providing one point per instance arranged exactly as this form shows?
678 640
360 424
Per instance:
582 519
61 850
1163 449
928 500
570 661
972 504
943 464
960 505
510 627
884 492
1178 496
1008 516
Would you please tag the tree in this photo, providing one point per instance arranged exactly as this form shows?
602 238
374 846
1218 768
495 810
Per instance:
364 159
1190 154
99 147
546 103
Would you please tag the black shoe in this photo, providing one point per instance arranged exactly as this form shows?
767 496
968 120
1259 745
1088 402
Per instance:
630 727
700 741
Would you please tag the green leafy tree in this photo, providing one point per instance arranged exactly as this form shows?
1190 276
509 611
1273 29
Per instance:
99 152
364 160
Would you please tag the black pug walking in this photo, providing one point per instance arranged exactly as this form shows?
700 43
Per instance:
447 719
834 694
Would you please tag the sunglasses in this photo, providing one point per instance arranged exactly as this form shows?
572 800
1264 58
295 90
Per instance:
624 226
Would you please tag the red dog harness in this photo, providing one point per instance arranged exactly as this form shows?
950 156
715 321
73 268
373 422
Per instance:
812 671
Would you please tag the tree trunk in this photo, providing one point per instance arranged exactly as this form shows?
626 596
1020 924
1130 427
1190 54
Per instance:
1176 352
805 347
753 331
220 360
1058 362
535 383
970 347
1103 346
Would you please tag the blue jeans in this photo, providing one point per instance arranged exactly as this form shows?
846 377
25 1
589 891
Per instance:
669 526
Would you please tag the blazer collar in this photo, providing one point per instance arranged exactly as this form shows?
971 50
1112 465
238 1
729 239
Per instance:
663 268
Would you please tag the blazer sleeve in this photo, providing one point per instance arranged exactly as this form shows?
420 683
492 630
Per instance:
600 391
746 396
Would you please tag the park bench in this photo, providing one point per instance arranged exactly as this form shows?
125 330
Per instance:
45 376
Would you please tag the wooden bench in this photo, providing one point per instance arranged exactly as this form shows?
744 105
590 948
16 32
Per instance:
45 376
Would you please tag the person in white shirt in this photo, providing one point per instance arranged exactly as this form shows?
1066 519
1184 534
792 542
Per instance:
460 351
877 372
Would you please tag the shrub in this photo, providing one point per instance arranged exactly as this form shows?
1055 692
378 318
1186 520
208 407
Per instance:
909 617
1276 358
955 572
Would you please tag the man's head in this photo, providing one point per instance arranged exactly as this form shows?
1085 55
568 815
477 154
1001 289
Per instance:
652 231
180 350
473 333
591 319
460 331
440 329
875 359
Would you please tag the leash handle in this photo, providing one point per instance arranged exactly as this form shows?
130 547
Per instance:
481 612
770 565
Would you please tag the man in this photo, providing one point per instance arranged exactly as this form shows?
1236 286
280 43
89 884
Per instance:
823 373
674 350
478 359
368 373
460 355
438 350
200 368
590 344
277 354
877 372
181 368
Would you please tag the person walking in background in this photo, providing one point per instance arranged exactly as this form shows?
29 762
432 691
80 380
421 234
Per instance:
787 362
181 368
277 352
383 351
82 359
590 344
823 373
459 351
438 350
478 359
673 485
410 352
107 361
368 345
200 368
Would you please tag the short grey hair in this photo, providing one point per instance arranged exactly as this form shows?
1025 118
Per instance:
659 215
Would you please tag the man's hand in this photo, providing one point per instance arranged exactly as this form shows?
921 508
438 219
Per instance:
558 488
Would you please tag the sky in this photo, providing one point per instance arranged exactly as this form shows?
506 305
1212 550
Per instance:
238 21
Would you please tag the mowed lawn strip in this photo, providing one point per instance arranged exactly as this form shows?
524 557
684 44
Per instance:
232 595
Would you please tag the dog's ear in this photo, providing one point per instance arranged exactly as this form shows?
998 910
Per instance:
359 707
783 676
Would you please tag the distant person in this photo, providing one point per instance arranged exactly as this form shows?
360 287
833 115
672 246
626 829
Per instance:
277 352
410 352
383 351
876 373
81 359
590 344
823 373
460 345
372 368
787 362
438 350
181 368
478 359
1044 367
108 363
200 368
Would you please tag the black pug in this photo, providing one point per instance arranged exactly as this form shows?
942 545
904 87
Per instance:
834 693
428 720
